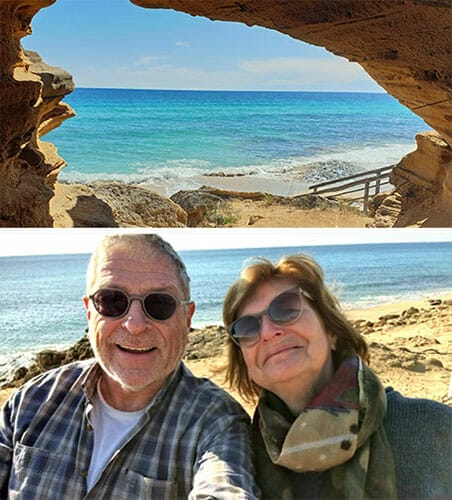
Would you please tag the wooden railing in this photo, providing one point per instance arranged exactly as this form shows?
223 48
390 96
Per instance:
367 184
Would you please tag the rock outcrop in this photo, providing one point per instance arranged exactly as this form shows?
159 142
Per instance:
423 194
424 180
113 204
404 45
30 95
197 204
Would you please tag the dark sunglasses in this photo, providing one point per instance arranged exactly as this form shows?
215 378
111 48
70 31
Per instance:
284 309
114 303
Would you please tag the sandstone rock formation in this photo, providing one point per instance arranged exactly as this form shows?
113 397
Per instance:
113 204
30 94
424 180
404 45
196 203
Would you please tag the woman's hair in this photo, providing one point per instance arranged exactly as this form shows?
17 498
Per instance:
306 273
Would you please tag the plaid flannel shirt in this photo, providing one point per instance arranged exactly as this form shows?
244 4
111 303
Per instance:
192 442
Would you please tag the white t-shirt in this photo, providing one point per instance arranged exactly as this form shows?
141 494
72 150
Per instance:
110 426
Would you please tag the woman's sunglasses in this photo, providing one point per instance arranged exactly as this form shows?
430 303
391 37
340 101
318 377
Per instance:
284 309
114 303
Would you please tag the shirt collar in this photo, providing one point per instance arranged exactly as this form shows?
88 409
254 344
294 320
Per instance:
89 379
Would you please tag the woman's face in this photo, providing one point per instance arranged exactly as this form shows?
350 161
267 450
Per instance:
287 357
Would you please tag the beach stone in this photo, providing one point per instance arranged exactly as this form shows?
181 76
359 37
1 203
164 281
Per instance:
134 206
196 203
253 219
48 359
20 373
414 366
434 362
309 201
79 351
410 312
385 208
388 317
206 342
76 205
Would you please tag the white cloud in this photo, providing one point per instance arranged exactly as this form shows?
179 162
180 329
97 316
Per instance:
182 44
309 74
306 72
146 60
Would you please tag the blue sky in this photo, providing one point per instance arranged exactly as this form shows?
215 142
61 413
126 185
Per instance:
115 44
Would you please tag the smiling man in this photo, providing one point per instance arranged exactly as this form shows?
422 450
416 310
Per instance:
133 422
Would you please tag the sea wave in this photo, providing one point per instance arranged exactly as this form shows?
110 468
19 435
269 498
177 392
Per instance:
185 173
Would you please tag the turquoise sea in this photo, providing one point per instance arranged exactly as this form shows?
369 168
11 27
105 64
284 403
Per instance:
168 138
41 295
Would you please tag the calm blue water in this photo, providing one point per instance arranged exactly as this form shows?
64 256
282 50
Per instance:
41 295
169 137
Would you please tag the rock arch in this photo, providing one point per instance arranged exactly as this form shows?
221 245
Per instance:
404 45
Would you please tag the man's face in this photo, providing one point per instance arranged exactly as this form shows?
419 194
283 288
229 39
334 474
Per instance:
137 353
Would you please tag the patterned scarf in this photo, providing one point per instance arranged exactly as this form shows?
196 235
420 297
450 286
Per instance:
340 430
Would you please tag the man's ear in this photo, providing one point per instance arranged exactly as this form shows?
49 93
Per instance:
190 311
86 302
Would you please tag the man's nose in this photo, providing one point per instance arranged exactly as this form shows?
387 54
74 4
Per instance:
136 320
269 329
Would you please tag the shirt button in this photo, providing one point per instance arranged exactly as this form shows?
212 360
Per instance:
345 445
89 427
84 473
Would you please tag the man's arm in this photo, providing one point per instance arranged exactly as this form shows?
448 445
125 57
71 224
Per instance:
224 469
6 450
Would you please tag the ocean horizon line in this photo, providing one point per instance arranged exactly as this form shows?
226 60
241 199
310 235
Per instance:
238 90
306 248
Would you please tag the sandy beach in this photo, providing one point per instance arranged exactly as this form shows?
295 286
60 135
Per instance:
410 345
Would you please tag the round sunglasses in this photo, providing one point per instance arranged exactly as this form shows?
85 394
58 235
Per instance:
284 309
114 303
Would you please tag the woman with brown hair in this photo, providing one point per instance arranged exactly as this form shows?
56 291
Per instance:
324 426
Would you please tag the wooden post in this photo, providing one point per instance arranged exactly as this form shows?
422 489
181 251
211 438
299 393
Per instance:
377 184
366 198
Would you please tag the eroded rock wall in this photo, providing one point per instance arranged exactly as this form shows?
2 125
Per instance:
30 94
405 45
424 180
